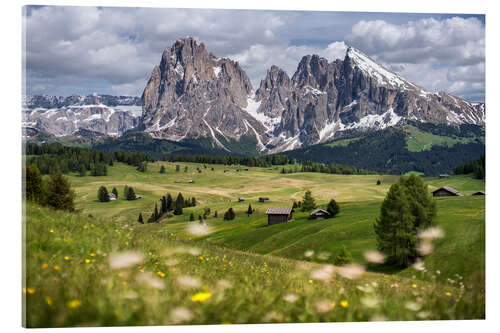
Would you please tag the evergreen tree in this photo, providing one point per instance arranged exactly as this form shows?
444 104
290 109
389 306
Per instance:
295 204
308 202
163 204
140 219
130 194
200 219
170 203
395 228
333 208
215 214
179 201
156 214
249 210
343 258
115 192
102 194
378 182
125 191
162 169
59 193
229 215
422 205
177 168
191 217
185 168
34 185
193 202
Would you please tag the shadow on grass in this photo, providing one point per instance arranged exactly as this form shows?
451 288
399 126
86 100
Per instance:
384 268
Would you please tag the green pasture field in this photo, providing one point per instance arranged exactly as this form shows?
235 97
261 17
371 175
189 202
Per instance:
254 261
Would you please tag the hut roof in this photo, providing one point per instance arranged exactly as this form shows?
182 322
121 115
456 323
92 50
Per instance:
278 211
479 193
449 189
318 210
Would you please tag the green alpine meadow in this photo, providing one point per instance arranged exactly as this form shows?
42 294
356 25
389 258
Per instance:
99 266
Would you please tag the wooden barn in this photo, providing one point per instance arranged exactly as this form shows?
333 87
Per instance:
479 193
318 214
278 215
446 192
263 199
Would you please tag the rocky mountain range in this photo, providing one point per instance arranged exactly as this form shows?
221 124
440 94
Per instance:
193 94
76 115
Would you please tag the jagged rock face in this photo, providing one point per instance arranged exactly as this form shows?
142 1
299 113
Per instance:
78 118
351 94
193 94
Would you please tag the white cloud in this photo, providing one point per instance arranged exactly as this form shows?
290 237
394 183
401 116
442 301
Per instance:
444 54
113 50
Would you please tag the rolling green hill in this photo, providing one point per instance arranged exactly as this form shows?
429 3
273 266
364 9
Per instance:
426 148
242 271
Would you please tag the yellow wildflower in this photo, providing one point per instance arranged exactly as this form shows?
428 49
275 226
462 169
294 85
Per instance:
310 281
85 227
92 254
160 273
201 297
74 304
66 258
45 266
414 285
48 300
87 261
51 230
56 267
344 304
448 294
31 291
201 258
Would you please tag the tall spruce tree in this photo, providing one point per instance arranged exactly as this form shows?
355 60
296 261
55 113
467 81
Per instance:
162 169
191 217
140 220
395 228
130 193
179 201
125 191
102 194
333 208
59 193
33 185
156 214
170 202
308 202
249 210
163 204
115 192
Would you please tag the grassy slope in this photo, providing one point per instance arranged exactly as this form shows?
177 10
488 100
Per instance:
461 252
85 291
419 140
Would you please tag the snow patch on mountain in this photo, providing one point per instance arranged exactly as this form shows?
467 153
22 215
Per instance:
252 109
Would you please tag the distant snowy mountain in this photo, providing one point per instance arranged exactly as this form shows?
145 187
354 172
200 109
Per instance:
73 115
193 94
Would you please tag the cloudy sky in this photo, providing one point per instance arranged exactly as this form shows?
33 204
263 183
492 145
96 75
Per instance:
83 50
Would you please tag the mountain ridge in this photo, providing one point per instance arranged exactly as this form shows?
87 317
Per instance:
184 99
